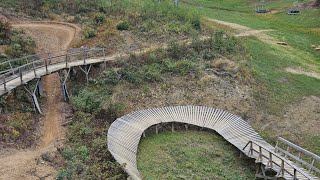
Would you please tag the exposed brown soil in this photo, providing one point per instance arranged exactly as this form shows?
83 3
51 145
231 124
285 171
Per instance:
303 72
27 164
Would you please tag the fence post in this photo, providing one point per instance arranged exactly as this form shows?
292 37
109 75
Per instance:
84 56
34 70
104 58
260 153
47 72
20 74
4 83
67 60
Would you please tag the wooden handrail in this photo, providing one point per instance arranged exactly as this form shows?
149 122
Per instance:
283 160
300 150
68 56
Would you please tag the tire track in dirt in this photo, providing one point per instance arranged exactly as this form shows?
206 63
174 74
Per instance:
49 36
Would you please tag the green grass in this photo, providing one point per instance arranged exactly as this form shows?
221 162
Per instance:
283 88
269 61
191 155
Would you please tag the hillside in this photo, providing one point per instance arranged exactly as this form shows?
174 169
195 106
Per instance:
265 68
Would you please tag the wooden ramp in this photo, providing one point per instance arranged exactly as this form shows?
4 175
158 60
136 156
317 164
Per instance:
125 133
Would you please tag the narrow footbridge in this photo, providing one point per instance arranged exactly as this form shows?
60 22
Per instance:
17 72
22 71
125 133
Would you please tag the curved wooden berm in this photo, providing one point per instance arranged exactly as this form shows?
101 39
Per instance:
125 133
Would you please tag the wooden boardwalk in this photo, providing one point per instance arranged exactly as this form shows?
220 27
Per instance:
125 133
20 71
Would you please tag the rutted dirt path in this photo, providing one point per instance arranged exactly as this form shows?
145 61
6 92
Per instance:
25 164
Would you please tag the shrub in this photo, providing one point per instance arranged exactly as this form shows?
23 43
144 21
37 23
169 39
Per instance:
90 33
87 101
20 46
100 18
111 77
152 73
184 67
122 25
174 50
132 75
5 32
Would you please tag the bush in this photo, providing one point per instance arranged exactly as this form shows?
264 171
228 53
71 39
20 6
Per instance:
122 25
100 18
132 75
174 50
5 32
152 73
184 67
110 77
90 33
20 46
87 101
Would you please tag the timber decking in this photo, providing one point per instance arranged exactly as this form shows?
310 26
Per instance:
125 133
12 76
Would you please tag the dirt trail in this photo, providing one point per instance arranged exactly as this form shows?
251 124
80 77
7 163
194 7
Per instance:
49 36
243 31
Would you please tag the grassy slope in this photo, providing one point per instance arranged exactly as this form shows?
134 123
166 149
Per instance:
268 62
191 155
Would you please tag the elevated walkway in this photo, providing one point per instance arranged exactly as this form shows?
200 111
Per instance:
20 71
125 133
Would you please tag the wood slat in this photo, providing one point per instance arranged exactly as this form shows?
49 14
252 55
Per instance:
123 141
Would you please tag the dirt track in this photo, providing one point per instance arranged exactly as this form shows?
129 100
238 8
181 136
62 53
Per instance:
243 31
49 36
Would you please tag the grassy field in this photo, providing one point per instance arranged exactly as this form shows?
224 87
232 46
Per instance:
191 155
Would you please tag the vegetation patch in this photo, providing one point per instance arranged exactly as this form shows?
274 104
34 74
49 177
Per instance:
191 155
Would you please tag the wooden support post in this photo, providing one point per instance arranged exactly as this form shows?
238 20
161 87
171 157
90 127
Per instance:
40 88
282 168
36 103
295 174
172 127
270 160
186 126
251 148
34 98
144 134
86 71
260 154
64 88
